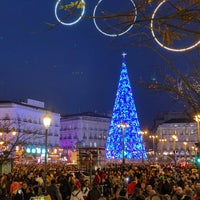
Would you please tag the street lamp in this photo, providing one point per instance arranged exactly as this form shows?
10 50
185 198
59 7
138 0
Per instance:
163 140
123 125
143 149
47 123
185 145
175 138
153 137
197 119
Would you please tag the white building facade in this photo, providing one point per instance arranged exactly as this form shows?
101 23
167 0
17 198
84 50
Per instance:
26 118
84 130
177 136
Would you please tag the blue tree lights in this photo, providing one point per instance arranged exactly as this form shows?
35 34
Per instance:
124 138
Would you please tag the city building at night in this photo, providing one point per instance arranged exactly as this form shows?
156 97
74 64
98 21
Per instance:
177 137
26 118
83 130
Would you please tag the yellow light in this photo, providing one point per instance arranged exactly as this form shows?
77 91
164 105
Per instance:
47 120
174 137
14 132
197 118
1 142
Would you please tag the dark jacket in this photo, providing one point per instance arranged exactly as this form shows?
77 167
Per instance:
53 191
94 194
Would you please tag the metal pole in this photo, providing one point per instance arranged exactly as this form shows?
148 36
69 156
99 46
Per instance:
91 159
175 152
45 161
153 148
198 126
123 158
198 145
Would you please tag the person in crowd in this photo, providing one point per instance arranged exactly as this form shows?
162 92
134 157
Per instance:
166 197
137 194
76 192
3 188
179 194
27 191
53 190
121 194
85 189
131 187
14 188
156 197
94 193
188 194
173 191
64 186
151 193
197 190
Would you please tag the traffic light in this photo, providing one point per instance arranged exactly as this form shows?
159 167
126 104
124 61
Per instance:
197 160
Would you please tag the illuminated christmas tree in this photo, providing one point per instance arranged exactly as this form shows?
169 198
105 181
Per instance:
124 138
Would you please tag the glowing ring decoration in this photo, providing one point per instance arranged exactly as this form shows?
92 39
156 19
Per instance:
71 23
113 35
162 45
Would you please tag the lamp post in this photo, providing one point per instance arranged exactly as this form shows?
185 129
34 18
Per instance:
185 146
163 140
197 119
153 137
47 123
123 125
143 149
174 137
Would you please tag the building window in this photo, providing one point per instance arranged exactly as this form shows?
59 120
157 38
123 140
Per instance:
90 137
84 137
192 132
69 136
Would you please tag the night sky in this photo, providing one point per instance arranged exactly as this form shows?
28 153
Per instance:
72 68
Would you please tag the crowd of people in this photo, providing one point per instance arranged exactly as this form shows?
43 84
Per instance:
114 182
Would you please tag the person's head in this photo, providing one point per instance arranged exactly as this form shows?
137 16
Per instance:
156 197
166 197
24 186
143 185
188 192
152 192
179 190
140 197
197 185
148 188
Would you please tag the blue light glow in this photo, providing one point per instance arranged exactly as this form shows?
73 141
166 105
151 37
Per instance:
33 150
124 111
43 151
28 150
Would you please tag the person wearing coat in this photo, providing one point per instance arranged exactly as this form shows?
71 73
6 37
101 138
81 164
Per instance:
76 193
